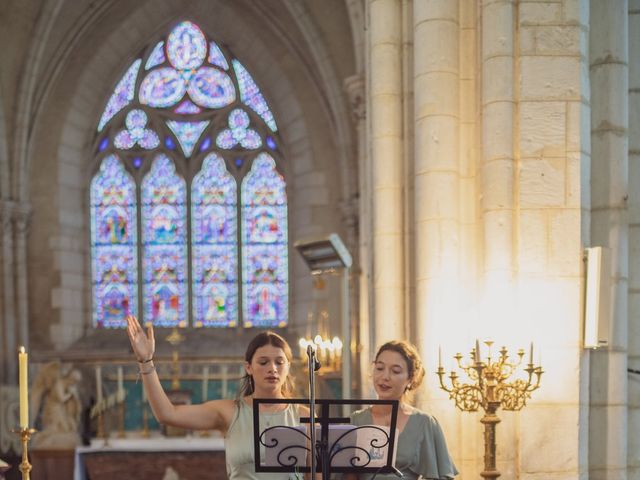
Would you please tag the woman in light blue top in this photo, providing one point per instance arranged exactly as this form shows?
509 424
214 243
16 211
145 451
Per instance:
422 449
267 361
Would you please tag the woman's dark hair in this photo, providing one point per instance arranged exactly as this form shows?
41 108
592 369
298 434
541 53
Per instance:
265 338
410 354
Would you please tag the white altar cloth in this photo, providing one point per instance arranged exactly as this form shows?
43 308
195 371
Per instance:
152 444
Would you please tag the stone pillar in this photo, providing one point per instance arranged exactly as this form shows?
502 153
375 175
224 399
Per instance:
634 237
22 218
551 144
609 75
385 82
437 175
498 163
9 337
362 282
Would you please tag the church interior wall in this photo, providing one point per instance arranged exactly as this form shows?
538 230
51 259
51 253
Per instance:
94 48
500 139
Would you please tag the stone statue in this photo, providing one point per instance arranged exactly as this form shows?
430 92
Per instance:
56 402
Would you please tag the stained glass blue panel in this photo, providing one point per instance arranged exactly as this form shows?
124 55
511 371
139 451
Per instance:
187 108
216 57
214 211
264 246
239 132
113 245
136 133
156 57
162 88
211 88
122 94
164 243
187 133
186 46
250 95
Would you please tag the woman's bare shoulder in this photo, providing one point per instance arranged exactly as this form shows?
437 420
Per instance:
303 410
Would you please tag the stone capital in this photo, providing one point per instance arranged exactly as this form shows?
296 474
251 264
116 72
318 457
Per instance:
349 214
354 86
22 218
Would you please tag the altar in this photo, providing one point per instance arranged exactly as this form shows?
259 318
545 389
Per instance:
154 458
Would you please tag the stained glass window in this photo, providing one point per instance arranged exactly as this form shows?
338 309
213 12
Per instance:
164 244
216 57
214 238
157 56
251 96
264 245
122 95
239 132
113 244
187 133
176 119
136 133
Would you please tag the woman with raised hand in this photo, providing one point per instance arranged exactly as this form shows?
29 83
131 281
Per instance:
421 449
267 362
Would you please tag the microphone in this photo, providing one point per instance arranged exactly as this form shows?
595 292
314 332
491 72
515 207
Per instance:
312 356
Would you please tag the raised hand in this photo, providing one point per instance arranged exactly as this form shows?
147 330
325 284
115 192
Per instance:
144 345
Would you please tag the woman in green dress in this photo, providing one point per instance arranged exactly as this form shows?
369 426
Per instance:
422 449
267 361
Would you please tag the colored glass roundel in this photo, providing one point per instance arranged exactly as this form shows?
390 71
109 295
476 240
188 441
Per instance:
186 46
214 213
113 245
164 242
136 133
238 132
189 98
264 241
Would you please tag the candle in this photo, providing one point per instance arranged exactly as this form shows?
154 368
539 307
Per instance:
120 383
144 394
531 353
23 382
205 383
477 352
98 384
439 356
303 348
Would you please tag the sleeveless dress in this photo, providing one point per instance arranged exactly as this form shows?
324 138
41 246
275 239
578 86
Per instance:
239 441
422 449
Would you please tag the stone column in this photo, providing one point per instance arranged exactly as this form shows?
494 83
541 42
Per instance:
609 75
362 284
437 176
21 219
385 82
634 237
10 335
498 162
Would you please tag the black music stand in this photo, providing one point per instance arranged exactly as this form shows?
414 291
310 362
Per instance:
288 457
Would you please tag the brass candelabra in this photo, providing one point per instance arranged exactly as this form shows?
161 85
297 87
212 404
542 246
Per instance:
25 436
490 387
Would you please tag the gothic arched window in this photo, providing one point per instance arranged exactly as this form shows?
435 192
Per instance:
186 153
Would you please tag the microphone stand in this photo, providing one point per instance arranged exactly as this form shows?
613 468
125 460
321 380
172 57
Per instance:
314 366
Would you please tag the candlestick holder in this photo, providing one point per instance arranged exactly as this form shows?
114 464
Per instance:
145 422
25 436
490 387
121 412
